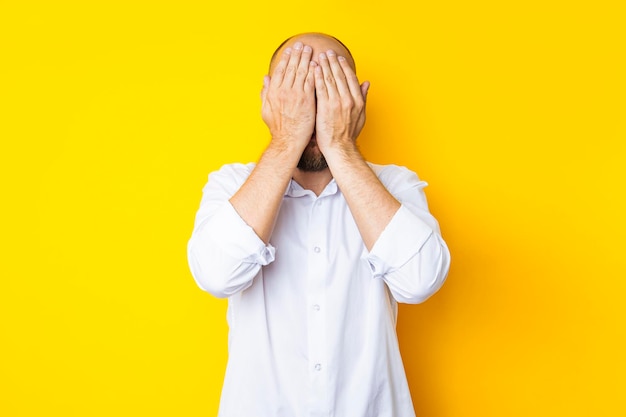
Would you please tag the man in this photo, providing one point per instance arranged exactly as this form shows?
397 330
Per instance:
314 247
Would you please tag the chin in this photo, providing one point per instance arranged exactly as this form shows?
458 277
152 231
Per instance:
312 159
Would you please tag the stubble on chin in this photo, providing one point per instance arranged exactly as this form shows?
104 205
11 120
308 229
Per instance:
312 160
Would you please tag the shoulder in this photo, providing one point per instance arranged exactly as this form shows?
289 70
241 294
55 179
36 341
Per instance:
396 177
230 176
235 171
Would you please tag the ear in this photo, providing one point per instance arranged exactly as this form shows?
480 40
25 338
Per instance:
266 83
364 89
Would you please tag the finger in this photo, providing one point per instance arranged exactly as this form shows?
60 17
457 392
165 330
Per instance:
292 65
320 86
303 67
352 80
327 77
309 82
279 70
339 76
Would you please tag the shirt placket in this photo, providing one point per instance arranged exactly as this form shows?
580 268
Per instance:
316 305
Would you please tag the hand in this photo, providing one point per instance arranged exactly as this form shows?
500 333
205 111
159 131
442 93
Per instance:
340 103
289 98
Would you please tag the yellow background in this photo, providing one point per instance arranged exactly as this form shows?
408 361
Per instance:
114 112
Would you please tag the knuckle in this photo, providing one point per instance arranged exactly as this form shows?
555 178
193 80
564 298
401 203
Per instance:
347 103
301 72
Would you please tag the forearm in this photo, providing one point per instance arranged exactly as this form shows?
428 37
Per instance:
372 206
259 198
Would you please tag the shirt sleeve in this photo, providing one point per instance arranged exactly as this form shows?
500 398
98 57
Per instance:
410 255
224 253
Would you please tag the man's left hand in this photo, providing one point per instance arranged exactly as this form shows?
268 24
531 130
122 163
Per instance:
340 103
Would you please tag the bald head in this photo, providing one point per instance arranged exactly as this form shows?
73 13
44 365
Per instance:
320 42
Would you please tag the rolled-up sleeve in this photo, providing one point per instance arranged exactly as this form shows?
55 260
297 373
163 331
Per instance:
224 253
410 255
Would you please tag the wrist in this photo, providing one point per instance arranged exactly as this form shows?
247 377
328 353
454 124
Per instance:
283 153
344 150
288 142
337 145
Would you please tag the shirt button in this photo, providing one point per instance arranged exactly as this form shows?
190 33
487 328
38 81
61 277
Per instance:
317 249
316 307
318 367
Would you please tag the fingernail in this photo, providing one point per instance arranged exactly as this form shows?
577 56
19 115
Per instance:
288 51
307 48
341 58
297 46
330 52
322 55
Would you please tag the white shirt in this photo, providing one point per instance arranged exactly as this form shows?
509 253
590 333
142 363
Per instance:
312 315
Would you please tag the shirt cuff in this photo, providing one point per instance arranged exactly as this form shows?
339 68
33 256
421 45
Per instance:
400 241
237 239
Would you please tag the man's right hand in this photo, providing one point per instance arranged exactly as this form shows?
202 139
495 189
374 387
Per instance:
288 98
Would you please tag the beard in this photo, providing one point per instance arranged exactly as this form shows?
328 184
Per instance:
312 159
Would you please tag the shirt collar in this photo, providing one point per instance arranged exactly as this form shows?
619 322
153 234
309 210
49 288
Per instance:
295 190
